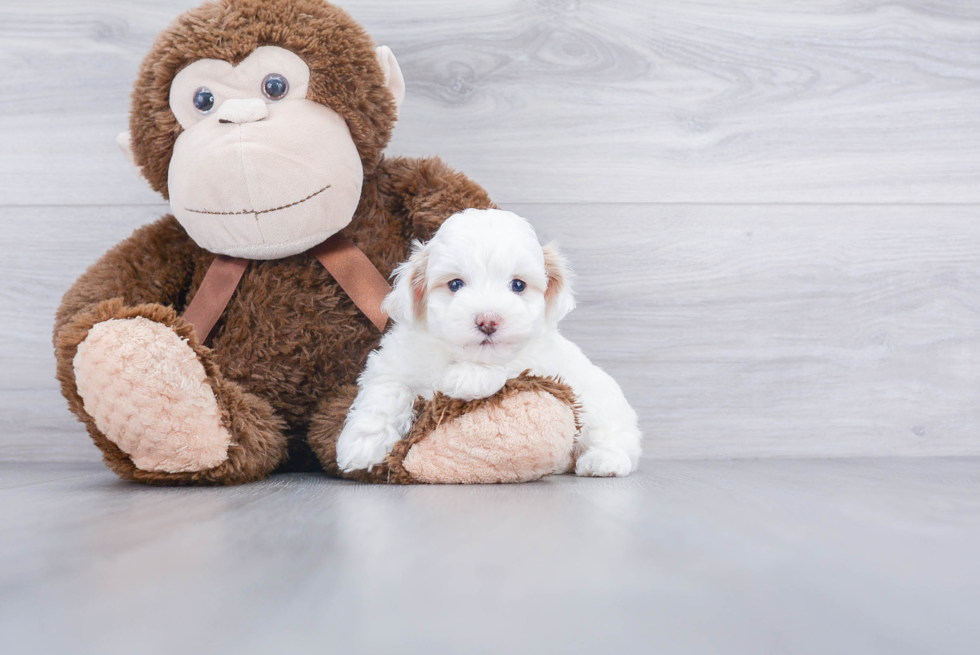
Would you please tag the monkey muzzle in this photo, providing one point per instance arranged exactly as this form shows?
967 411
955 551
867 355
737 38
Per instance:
265 182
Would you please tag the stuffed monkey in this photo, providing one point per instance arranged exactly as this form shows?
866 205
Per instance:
222 342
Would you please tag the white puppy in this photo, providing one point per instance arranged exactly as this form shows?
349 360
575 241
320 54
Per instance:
473 307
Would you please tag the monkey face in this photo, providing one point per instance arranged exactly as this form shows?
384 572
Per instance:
259 171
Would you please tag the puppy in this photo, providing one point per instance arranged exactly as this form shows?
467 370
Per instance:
472 308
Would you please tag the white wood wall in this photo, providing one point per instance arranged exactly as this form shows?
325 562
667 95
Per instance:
772 205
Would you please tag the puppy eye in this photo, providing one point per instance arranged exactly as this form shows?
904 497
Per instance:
203 99
456 285
275 86
518 286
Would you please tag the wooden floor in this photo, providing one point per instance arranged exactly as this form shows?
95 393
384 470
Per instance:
748 556
772 207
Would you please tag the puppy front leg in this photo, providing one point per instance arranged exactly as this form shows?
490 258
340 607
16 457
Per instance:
380 417
469 381
610 441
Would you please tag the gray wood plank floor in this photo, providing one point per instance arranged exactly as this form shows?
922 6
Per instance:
750 556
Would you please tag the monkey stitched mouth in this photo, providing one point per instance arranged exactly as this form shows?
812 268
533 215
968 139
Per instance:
245 212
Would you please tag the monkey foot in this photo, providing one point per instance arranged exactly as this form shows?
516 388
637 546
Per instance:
520 437
149 394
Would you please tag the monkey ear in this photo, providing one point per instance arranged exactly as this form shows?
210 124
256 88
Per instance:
394 79
407 301
125 141
558 296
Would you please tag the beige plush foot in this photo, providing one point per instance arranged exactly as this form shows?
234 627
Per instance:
525 437
148 393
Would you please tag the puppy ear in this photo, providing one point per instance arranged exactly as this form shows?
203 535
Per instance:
558 296
407 301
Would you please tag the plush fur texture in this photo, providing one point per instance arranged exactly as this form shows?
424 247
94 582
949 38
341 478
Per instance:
525 437
290 340
254 177
474 307
344 71
258 434
149 395
523 432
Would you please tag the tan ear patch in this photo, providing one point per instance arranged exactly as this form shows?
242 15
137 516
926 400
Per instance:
420 285
555 268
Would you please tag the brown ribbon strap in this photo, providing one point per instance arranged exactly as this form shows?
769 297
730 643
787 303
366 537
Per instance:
217 288
350 267
356 275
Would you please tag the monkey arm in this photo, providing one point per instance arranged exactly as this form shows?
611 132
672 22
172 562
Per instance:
154 265
140 276
122 351
427 192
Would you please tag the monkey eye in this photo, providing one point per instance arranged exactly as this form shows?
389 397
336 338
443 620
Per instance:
456 285
203 99
275 86
518 286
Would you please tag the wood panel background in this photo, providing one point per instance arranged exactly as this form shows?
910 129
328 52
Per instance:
772 206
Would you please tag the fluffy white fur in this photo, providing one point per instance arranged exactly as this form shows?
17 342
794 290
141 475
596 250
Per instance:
436 342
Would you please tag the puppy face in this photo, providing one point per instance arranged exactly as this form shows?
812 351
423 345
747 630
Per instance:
483 286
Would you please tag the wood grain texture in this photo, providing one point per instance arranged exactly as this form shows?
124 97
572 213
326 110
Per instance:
736 331
783 330
803 557
570 100
765 329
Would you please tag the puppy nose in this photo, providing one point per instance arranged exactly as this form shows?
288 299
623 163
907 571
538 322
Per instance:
242 110
487 323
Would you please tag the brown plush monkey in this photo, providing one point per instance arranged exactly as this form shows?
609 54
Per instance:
263 122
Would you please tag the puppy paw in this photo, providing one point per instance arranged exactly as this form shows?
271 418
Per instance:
467 381
604 462
363 446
